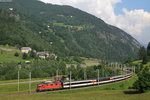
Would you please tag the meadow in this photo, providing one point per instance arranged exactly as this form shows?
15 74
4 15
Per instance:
113 91
81 95
8 55
94 95
91 62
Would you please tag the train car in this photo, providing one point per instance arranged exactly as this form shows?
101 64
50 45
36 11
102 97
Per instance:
103 79
85 83
77 84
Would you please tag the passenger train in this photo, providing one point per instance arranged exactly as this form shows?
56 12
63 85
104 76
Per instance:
57 85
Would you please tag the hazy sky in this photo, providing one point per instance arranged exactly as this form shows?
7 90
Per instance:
133 16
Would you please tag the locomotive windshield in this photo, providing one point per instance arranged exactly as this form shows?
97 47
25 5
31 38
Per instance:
39 85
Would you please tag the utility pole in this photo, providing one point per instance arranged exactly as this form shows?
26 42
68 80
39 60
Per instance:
121 68
29 82
84 74
19 67
98 75
29 67
115 68
56 72
103 72
70 79
18 80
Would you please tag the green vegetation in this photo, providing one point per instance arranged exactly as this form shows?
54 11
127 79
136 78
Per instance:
90 93
23 80
48 68
12 88
144 54
142 69
98 95
8 56
91 62
148 49
143 82
8 47
63 30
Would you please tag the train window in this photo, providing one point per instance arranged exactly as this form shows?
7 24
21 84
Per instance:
56 84
51 84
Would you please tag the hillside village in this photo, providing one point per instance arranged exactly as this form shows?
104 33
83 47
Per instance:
29 50
42 55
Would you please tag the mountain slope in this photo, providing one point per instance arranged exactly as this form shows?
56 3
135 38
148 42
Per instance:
65 30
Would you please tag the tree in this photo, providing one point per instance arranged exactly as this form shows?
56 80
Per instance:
148 49
141 52
16 54
129 60
143 82
145 59
24 56
143 55
32 54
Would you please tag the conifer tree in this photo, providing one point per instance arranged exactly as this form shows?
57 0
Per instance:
143 82
148 49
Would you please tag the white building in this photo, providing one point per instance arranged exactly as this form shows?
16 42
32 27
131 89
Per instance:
25 49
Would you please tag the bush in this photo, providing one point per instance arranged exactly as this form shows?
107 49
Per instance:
16 54
24 56
143 82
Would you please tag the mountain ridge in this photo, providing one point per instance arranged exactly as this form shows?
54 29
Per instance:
71 31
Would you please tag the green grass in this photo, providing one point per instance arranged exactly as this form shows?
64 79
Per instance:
90 93
13 88
8 56
7 46
137 62
140 61
90 62
24 87
78 28
23 80
148 64
94 95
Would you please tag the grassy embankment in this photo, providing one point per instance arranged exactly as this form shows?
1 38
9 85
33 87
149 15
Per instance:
140 61
24 87
90 62
116 91
8 55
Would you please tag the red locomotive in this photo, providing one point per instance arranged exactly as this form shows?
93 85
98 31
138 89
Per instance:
51 84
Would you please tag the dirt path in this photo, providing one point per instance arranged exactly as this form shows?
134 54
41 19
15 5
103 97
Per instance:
6 49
